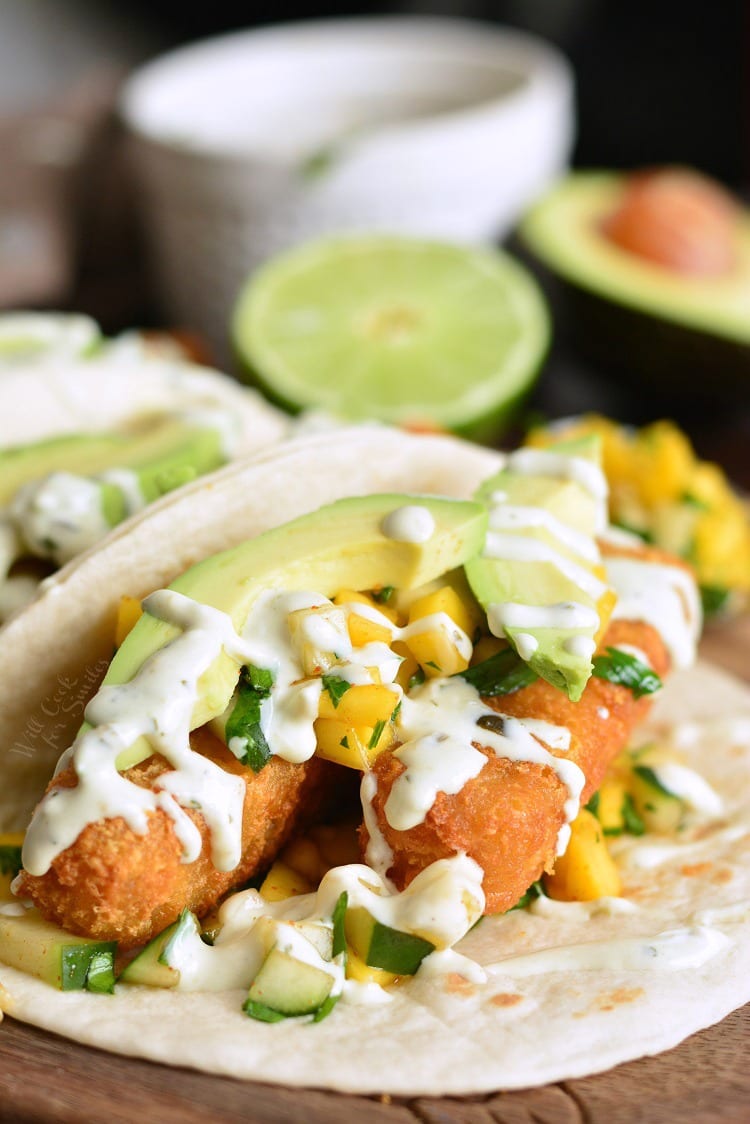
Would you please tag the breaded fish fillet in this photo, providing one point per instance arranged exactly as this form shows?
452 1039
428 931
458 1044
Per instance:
113 884
508 817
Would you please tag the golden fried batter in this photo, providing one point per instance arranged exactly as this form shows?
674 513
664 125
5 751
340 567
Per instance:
114 884
507 818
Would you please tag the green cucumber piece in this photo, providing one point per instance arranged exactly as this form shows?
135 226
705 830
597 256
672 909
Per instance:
380 946
151 966
64 961
658 808
288 987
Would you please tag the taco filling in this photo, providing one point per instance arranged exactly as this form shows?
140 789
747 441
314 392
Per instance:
473 685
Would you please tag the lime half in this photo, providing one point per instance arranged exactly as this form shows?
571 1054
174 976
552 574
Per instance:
394 329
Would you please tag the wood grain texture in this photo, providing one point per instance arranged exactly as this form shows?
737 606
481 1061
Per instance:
48 1080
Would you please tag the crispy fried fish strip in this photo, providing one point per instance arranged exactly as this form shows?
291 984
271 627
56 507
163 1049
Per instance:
113 884
508 817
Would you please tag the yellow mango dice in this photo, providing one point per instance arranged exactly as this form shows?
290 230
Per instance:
361 705
282 882
444 600
610 804
129 612
409 665
356 969
364 631
587 870
436 653
340 742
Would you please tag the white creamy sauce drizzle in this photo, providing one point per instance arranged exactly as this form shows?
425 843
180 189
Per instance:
728 731
446 962
59 516
526 644
410 523
520 548
450 708
129 485
689 786
379 855
607 906
545 462
514 517
441 905
649 855
564 615
664 597
581 646
636 653
674 950
157 705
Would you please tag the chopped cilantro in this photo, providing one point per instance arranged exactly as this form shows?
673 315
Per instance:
244 723
339 913
384 594
631 820
431 663
377 730
501 674
336 687
693 501
593 805
417 679
535 890
344 742
626 671
10 860
714 599
261 679
259 1011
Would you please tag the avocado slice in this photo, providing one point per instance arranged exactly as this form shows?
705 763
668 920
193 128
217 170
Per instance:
158 453
342 545
669 330
564 520
66 962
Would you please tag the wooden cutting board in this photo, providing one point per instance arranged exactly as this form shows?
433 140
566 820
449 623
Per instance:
49 1080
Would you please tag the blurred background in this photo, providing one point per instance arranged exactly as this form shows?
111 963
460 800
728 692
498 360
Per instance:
655 83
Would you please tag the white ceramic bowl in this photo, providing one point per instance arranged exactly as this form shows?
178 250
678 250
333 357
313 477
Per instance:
252 142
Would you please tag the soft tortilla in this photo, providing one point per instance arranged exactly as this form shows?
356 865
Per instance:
435 1036
96 395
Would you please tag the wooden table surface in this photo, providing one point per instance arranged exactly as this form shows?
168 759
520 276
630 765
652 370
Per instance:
49 1080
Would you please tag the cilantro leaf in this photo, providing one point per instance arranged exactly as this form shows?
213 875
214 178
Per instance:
336 687
626 671
501 674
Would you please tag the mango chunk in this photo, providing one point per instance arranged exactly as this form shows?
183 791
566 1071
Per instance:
365 704
586 871
444 600
363 631
129 612
356 969
282 882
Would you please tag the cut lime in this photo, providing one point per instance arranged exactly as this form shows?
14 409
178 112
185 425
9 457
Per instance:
33 337
393 329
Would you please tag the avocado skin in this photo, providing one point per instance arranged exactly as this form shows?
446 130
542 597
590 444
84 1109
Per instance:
672 361
670 334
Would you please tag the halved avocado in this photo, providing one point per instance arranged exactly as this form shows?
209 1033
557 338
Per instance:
668 329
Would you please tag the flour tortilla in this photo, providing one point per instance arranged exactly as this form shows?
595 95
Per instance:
434 1036
97 395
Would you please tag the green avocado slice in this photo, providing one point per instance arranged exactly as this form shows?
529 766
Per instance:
554 515
342 545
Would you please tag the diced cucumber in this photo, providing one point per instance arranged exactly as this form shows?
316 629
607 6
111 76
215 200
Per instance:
151 966
658 808
319 936
64 961
288 987
382 947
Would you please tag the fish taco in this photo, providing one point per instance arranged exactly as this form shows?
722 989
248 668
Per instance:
88 441
400 780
